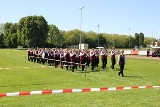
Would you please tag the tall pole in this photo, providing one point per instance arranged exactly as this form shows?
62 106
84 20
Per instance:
152 39
81 28
129 38
98 35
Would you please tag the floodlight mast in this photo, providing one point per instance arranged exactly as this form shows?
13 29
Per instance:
80 28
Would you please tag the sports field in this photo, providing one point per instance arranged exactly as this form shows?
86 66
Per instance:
19 75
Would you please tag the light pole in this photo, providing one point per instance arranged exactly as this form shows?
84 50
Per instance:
129 38
98 35
81 27
152 39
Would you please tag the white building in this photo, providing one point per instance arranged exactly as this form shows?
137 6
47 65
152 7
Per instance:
83 46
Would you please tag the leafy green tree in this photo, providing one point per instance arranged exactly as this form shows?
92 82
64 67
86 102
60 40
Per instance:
91 38
1 40
61 38
137 39
147 41
33 31
54 35
7 34
102 40
1 35
22 32
141 39
133 42
72 37
14 36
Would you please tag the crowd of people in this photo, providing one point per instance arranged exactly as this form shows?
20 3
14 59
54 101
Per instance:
72 58
156 53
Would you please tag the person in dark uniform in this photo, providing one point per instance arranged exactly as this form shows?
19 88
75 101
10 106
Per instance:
44 56
72 59
97 58
49 58
92 58
148 52
29 54
40 51
82 58
56 58
77 61
103 58
121 62
62 58
87 58
35 54
67 58
113 60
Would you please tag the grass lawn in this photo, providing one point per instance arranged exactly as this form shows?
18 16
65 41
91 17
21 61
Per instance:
22 75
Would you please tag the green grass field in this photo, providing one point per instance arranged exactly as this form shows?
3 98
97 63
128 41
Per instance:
138 72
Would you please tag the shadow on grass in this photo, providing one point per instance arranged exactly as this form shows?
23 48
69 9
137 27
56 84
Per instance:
13 85
82 71
118 69
89 70
27 85
133 77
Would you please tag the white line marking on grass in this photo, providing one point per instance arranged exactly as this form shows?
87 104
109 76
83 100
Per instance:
43 66
1 68
15 50
8 68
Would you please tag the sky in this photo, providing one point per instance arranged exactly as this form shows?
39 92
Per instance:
113 16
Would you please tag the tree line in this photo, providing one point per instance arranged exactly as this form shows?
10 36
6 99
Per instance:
34 31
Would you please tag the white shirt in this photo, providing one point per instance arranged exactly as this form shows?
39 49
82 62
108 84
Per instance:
61 55
92 53
71 54
113 52
43 54
102 52
81 53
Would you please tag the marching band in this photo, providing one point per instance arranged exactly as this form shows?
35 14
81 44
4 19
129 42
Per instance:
72 58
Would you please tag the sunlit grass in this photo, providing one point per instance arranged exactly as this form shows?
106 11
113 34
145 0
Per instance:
138 72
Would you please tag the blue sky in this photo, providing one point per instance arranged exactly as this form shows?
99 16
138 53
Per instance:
113 16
